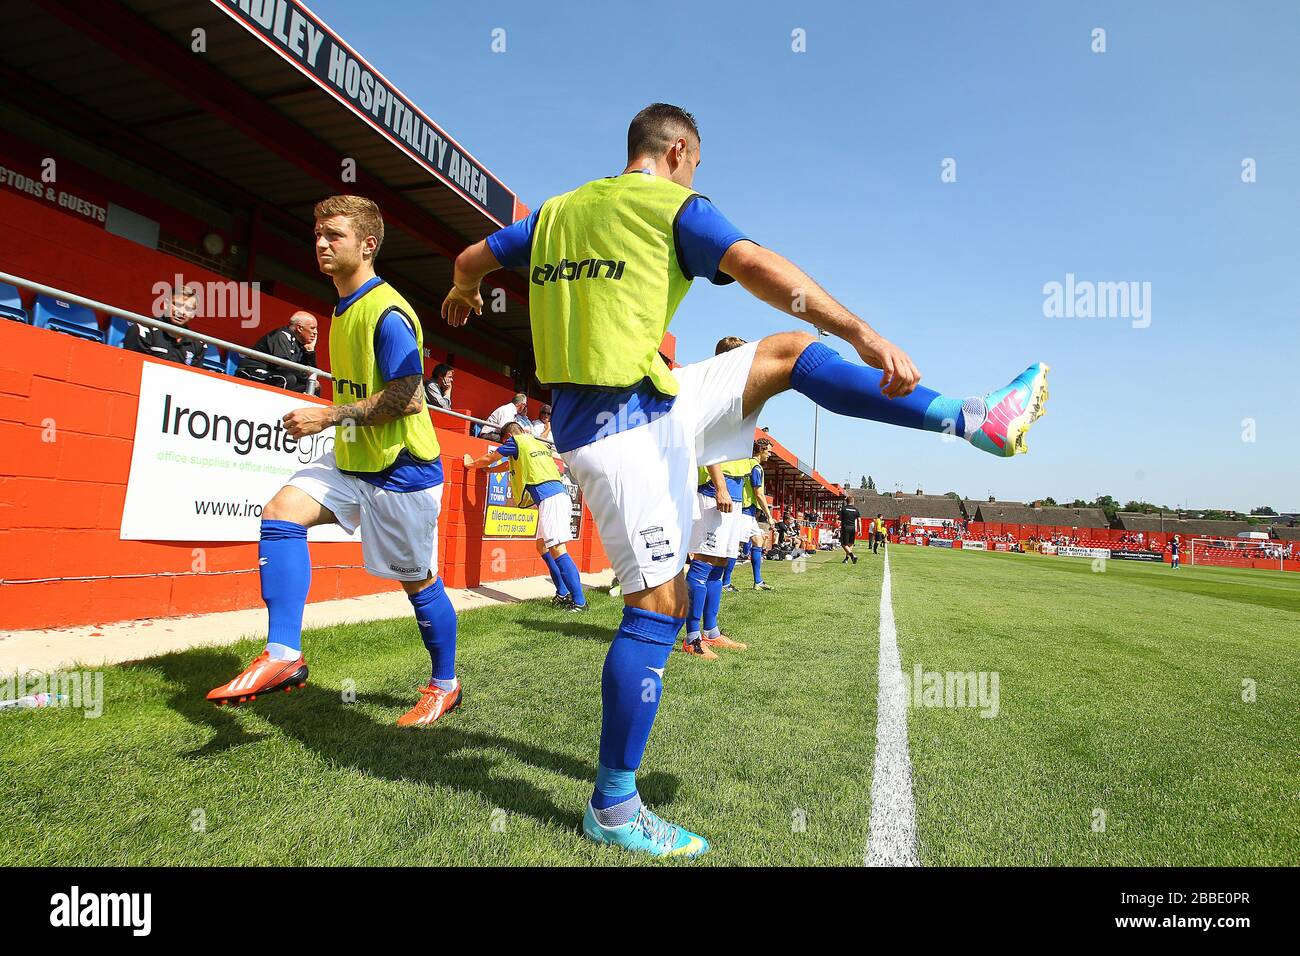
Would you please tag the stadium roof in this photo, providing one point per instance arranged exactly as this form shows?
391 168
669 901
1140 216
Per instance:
266 117
1133 521
913 506
788 477
1008 513
972 505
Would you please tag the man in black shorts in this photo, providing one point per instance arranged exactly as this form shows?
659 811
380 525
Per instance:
849 516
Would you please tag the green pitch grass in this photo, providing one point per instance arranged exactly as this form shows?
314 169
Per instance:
750 749
1121 706
1119 692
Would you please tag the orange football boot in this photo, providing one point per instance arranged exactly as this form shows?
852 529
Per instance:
263 676
434 702
699 649
723 641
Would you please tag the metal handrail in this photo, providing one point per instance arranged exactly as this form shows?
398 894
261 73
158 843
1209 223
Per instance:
177 330
181 331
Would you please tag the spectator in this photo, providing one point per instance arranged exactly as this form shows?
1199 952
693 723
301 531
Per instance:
161 344
295 342
783 530
542 427
437 390
849 517
512 411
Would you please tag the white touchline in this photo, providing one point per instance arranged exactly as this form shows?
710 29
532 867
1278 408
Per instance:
892 840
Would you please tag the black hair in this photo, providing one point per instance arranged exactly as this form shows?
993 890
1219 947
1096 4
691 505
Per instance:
655 127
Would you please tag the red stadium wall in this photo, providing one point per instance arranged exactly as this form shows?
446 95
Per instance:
1110 538
61 505
47 245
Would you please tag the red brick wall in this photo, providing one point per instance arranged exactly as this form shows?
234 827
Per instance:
61 504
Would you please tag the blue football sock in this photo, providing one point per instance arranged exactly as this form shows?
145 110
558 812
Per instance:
285 568
569 571
756 561
713 597
631 684
615 794
437 620
561 588
848 388
697 580
744 550
726 575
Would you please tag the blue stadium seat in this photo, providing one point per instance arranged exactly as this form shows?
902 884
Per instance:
11 304
232 362
51 313
117 329
212 360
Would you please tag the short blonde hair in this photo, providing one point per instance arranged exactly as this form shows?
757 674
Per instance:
364 214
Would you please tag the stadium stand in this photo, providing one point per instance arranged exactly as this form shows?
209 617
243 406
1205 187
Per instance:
1133 521
212 360
60 316
11 304
795 489
162 163
117 330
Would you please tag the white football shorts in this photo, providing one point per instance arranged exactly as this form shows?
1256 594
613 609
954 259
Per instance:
554 524
640 484
399 530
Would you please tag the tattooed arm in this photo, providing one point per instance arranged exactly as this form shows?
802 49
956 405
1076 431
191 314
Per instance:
397 399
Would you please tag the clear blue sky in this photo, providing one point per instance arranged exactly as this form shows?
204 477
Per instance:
1119 166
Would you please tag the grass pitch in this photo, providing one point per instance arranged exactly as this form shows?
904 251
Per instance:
1119 692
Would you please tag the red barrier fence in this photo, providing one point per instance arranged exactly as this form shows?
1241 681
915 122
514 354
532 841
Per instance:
61 505
1108 538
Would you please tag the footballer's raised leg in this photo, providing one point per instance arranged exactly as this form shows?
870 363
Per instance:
634 432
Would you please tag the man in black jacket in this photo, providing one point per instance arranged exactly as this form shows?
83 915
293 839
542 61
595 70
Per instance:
295 342
160 344
849 517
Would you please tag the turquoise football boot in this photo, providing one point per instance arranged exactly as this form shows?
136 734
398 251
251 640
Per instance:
646 833
1010 411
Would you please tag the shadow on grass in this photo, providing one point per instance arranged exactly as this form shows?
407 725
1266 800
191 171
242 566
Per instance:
344 735
569 627
494 594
